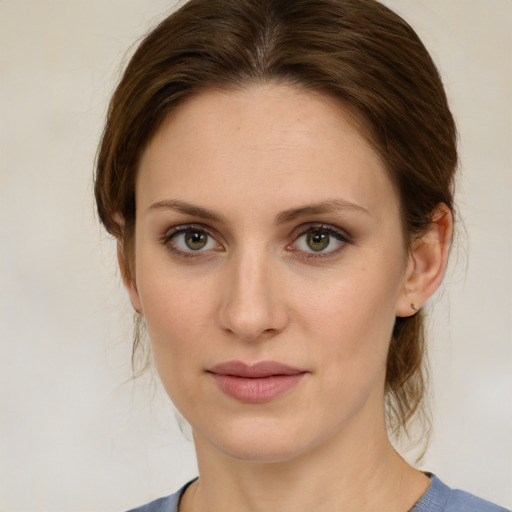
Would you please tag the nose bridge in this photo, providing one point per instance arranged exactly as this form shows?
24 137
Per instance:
251 302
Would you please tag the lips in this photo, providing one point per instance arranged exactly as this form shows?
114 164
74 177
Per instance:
257 383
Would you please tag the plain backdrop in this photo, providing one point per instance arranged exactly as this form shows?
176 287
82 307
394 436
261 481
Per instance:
75 433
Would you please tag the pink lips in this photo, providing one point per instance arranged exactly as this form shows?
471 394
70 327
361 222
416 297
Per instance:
256 383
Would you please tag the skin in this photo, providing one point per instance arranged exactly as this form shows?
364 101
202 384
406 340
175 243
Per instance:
255 172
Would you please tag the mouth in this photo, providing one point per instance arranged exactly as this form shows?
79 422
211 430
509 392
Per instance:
257 383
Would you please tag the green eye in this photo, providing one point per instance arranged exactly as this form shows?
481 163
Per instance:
195 240
189 240
318 240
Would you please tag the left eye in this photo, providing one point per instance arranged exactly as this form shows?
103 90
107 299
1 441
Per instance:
320 240
192 240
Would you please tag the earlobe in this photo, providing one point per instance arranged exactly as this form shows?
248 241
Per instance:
128 280
426 263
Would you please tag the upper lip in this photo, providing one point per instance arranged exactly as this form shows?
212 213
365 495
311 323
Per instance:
256 370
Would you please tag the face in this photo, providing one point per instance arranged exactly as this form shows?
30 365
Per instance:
269 267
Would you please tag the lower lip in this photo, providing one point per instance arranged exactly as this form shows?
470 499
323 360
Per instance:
257 390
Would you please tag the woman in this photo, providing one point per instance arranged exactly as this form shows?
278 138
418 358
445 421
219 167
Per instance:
279 177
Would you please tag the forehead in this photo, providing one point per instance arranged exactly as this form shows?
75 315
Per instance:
271 141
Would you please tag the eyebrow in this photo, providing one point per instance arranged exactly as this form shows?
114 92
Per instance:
187 208
330 206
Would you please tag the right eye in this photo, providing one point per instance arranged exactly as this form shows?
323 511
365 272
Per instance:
190 241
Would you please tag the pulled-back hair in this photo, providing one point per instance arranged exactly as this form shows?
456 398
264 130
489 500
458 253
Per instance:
357 51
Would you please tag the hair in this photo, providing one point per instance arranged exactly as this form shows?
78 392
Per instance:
357 51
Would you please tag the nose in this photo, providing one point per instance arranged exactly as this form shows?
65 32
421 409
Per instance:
253 304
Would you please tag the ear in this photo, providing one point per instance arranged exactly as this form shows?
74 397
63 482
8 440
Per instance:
128 280
426 263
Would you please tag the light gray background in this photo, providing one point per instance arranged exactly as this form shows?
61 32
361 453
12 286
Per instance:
74 436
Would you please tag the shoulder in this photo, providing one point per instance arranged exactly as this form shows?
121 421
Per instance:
465 502
441 498
167 504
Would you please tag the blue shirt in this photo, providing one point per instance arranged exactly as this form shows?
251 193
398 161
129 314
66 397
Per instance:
438 498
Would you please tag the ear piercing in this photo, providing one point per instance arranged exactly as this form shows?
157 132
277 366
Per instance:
413 306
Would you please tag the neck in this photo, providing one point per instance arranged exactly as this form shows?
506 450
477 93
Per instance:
365 476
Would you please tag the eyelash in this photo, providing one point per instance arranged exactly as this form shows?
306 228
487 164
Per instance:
181 230
338 234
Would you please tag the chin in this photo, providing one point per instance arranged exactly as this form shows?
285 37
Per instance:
265 441
265 452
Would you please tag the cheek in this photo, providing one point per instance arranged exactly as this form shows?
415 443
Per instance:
177 312
355 302
174 324
351 321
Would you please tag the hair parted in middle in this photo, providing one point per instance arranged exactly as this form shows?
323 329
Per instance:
357 51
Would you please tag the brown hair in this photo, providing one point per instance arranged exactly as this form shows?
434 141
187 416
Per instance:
358 51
